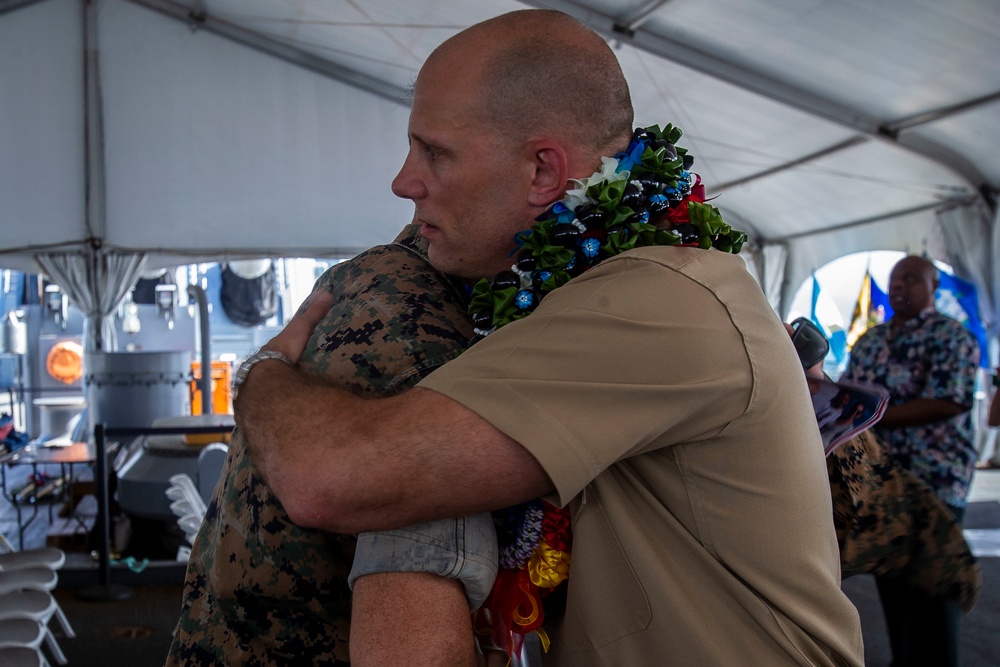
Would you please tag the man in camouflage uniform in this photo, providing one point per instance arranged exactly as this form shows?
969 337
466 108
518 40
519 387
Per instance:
888 522
260 590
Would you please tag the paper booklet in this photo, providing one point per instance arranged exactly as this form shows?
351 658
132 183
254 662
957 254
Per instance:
844 409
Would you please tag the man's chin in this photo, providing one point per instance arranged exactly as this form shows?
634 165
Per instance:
442 261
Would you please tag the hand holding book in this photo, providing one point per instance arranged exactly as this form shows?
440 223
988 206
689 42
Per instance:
843 409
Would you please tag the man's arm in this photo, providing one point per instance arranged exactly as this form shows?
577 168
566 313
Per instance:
954 356
384 604
346 464
920 411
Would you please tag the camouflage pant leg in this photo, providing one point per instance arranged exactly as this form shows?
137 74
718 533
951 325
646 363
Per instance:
889 523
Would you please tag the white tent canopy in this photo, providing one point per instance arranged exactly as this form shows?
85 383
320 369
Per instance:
245 128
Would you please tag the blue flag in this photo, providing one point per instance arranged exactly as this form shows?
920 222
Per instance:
838 345
812 306
880 309
957 298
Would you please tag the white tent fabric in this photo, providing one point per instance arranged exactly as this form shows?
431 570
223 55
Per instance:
96 282
966 231
225 129
767 264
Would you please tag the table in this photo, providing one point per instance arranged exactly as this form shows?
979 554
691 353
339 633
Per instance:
35 455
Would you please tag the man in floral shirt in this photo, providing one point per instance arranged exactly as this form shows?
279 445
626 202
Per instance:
928 363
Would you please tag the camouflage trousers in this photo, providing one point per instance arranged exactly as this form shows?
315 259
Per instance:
888 522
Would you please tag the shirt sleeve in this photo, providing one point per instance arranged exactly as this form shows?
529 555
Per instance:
616 363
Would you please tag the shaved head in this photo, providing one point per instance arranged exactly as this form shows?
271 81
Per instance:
912 283
504 115
540 72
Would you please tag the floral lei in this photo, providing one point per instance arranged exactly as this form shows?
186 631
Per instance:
644 196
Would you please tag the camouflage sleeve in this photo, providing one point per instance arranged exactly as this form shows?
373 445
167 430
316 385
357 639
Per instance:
393 321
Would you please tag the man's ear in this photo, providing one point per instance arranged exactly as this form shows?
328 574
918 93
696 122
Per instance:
550 170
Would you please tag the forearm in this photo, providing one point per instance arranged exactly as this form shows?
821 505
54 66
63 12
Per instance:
276 413
918 412
410 619
341 463
994 417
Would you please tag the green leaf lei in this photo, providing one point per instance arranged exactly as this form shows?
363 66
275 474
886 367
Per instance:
644 196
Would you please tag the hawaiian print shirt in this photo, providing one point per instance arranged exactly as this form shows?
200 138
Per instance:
260 590
931 356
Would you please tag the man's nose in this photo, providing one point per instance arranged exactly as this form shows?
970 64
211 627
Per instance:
407 185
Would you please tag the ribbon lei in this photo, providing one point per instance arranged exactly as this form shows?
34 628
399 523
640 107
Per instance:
515 609
548 567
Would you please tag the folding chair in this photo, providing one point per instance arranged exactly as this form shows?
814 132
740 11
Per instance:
10 559
28 633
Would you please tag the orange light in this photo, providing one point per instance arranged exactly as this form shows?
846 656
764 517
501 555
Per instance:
64 362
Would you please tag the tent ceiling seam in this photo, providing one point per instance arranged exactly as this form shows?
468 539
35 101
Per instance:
797 162
895 127
640 16
93 145
953 202
749 79
13 5
290 54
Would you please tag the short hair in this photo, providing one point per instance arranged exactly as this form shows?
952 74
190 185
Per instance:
548 72
926 262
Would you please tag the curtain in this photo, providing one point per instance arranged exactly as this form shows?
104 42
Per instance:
773 262
95 282
971 237
766 263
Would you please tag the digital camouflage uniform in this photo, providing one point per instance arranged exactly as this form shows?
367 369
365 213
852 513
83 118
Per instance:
260 590
889 522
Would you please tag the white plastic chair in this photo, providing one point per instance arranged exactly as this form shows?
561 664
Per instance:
189 492
211 461
39 606
190 525
37 578
10 559
30 634
21 656
188 506
50 557
182 508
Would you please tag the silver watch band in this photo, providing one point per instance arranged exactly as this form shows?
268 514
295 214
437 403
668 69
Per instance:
250 362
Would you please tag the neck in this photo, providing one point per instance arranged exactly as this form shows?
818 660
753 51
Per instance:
897 321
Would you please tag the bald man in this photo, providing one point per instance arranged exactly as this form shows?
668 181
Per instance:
928 363
655 395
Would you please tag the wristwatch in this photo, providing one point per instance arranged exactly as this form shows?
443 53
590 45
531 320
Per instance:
250 362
